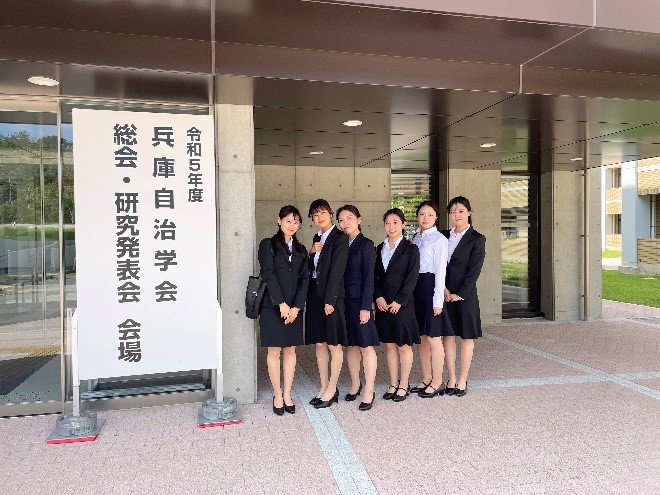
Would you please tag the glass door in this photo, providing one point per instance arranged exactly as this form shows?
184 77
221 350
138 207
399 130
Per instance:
30 325
520 247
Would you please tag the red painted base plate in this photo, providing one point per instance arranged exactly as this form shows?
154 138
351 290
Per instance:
54 438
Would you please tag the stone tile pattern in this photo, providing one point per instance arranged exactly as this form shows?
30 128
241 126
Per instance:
576 437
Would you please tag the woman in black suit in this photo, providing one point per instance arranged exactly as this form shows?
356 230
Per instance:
359 289
325 325
395 277
467 250
283 262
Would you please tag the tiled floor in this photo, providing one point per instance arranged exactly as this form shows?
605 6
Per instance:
552 408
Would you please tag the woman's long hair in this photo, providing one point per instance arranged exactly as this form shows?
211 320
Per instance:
285 211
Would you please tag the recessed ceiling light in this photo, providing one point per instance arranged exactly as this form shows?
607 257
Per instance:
576 159
353 123
315 152
487 145
43 81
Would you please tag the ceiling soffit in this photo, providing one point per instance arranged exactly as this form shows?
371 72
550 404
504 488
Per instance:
388 52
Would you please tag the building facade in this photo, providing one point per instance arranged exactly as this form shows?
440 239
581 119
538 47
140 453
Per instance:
631 209
489 102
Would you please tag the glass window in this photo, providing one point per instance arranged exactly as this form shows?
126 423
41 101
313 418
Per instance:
520 246
30 332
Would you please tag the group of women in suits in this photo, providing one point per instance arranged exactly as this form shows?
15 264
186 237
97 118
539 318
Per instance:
424 292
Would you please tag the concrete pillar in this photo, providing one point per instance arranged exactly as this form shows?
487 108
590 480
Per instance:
595 244
603 205
237 247
562 245
565 238
483 189
635 217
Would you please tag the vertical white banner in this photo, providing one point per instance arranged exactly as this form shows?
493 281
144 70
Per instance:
145 242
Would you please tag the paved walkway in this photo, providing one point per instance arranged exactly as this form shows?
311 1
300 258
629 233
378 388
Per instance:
569 408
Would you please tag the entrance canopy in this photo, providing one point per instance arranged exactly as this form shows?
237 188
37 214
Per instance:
539 81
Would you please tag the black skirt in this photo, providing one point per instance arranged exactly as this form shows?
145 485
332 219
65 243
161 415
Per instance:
465 317
400 329
359 335
274 333
319 328
429 324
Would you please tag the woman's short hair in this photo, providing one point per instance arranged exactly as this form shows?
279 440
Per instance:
319 205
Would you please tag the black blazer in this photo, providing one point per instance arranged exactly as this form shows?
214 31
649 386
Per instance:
398 282
286 281
331 266
359 274
465 264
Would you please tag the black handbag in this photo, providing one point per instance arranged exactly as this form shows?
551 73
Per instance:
254 293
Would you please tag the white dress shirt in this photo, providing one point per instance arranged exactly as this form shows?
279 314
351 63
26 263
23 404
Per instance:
317 254
290 246
433 256
386 253
454 239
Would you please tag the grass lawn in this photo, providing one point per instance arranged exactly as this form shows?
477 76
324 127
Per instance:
635 289
514 274
610 253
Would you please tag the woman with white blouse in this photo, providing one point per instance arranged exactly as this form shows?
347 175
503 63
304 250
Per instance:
429 296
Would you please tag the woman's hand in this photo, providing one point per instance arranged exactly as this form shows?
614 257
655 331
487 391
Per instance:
382 304
365 315
292 315
315 247
284 311
394 307
437 311
454 298
329 309
447 295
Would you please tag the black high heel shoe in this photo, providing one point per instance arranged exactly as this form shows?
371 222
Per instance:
351 397
388 395
277 410
314 401
417 390
400 398
449 390
327 403
461 393
435 391
291 409
365 406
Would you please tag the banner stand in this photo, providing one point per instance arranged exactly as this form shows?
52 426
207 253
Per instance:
75 427
219 410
